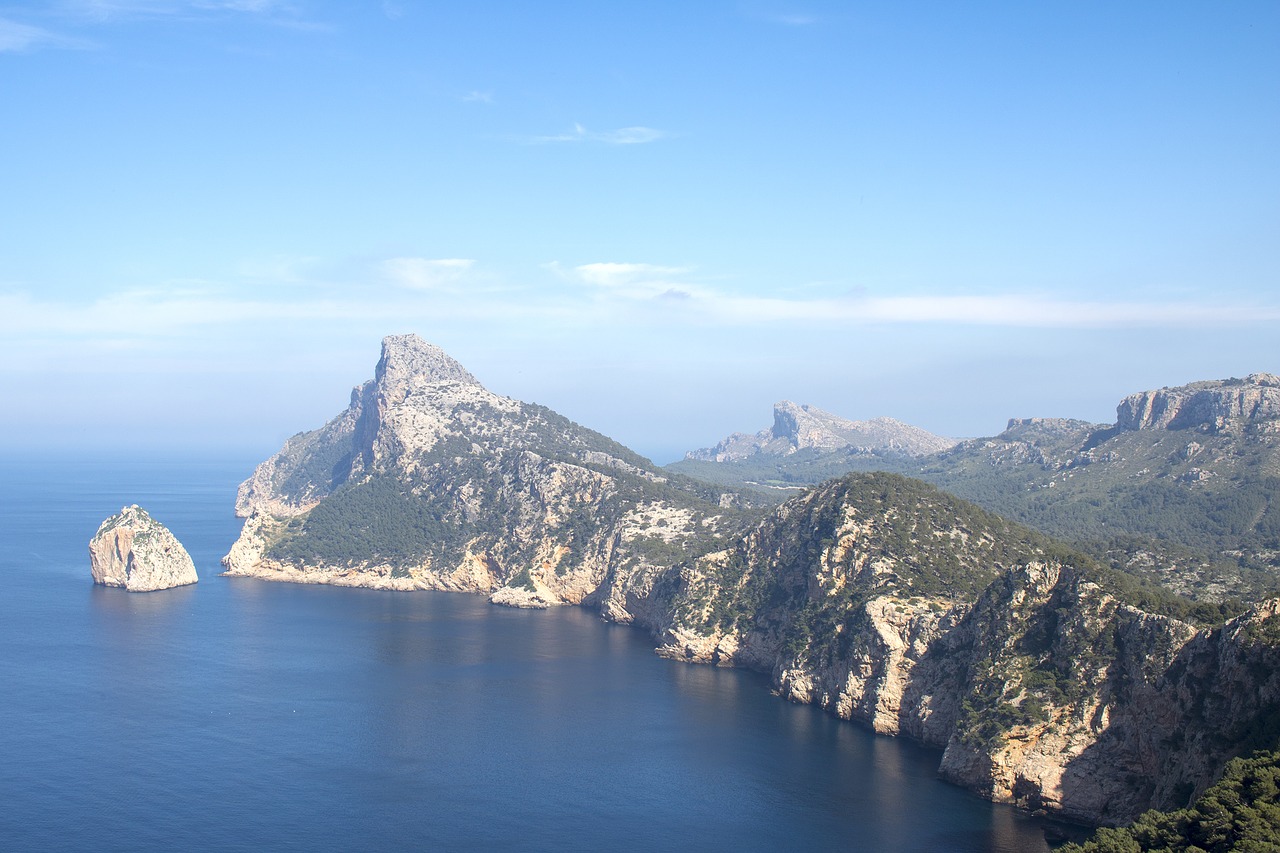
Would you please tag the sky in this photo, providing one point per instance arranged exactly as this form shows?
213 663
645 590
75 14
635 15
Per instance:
657 218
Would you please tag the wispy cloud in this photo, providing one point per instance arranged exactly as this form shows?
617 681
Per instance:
1005 310
770 14
106 9
617 274
283 13
629 281
280 269
148 313
476 96
636 135
601 295
425 273
638 283
19 38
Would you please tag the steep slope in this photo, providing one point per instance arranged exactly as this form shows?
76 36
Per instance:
886 601
429 480
1241 812
133 550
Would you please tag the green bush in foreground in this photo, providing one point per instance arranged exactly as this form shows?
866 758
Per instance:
1240 814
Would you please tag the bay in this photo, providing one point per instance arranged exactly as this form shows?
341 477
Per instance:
237 714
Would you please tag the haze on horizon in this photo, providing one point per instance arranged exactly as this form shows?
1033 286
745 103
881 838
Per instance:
657 219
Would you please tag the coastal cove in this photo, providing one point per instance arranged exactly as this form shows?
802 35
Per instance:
237 714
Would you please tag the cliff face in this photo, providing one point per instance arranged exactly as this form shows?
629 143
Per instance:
134 551
430 481
916 614
801 427
1220 406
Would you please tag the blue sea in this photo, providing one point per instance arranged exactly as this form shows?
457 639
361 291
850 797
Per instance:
241 715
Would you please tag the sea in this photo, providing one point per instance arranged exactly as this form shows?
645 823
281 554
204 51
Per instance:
242 715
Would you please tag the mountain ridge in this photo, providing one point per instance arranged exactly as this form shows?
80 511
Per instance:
1184 486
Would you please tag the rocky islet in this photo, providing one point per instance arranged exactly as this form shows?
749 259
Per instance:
134 551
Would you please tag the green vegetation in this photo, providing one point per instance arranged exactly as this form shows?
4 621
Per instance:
878 535
1197 512
379 520
1239 814
480 487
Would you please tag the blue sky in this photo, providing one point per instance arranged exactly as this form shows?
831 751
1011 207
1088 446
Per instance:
656 218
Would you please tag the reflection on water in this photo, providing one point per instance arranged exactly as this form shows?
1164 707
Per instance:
241 715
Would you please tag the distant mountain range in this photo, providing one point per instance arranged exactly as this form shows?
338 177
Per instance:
1051 680
1184 486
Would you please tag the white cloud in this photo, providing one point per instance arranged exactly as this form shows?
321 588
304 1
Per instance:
636 135
16 38
425 273
476 96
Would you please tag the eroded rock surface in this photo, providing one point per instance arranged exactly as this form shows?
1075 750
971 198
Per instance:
133 550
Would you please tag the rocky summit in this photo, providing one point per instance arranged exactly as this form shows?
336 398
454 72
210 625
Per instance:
133 550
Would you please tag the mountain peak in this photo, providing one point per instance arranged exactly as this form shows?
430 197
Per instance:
408 361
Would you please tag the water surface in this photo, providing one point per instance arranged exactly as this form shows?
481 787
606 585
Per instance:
243 715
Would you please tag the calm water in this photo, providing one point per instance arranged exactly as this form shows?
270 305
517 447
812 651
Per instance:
243 715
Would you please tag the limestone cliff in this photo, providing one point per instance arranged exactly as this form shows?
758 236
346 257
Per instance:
1215 406
430 481
801 427
889 603
134 551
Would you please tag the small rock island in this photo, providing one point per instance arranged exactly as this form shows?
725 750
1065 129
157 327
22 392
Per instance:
133 550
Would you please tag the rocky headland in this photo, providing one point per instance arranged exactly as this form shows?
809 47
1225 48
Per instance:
134 551
885 601
430 481
1050 680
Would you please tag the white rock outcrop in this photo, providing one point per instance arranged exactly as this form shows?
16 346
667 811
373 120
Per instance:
801 427
1213 406
133 550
